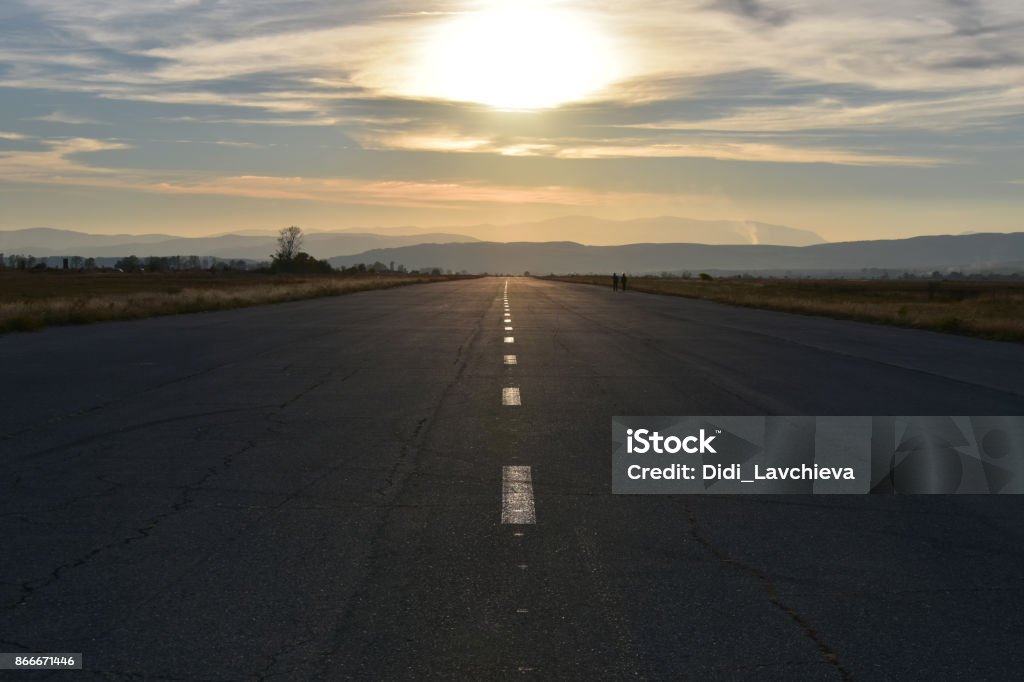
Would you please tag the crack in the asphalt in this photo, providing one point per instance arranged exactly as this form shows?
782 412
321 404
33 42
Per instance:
315 385
408 450
285 649
132 428
772 593
28 589
132 397
413 445
184 500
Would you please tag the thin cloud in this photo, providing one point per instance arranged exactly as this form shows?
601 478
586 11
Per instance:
56 162
67 119
747 151
719 150
396 193
970 109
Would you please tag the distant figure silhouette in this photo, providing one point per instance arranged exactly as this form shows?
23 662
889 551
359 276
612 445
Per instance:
615 281
623 281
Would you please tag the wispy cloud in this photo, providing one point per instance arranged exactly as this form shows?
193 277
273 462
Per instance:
56 162
67 119
747 151
636 148
398 193
968 109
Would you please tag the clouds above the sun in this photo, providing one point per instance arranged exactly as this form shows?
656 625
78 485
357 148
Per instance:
930 88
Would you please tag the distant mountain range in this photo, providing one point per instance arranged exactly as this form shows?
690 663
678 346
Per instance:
650 249
44 241
258 245
661 230
976 252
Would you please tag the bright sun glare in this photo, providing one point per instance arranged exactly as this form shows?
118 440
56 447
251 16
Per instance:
517 55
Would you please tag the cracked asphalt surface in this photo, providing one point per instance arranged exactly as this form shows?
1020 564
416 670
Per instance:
311 490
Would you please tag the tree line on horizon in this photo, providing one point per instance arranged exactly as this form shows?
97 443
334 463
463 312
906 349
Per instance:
289 258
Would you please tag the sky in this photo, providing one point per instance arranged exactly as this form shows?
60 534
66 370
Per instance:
873 119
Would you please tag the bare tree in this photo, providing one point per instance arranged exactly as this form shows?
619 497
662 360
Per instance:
289 243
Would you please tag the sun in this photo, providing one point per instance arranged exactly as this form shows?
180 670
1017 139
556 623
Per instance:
516 55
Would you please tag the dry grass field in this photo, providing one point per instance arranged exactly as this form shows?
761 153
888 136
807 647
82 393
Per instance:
992 310
31 300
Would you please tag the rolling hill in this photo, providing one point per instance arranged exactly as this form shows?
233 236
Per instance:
663 229
977 252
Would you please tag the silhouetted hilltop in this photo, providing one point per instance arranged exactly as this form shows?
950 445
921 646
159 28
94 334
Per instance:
963 252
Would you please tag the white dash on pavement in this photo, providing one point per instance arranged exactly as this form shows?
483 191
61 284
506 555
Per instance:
508 329
517 496
510 339
510 396
511 360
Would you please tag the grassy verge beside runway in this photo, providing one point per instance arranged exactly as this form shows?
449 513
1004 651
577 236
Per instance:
32 300
988 309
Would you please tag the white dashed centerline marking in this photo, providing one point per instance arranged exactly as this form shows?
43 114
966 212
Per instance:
511 360
510 396
508 329
510 339
517 496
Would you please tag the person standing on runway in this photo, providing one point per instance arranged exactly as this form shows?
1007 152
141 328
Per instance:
615 281
623 281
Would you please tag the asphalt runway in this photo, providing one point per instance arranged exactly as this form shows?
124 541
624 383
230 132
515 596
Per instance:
316 490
